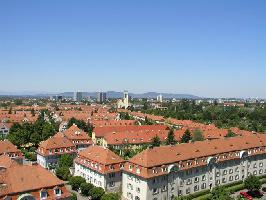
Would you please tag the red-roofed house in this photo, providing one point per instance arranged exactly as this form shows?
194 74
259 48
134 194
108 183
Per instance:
100 167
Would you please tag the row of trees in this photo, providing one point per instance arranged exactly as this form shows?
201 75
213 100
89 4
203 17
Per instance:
252 117
87 189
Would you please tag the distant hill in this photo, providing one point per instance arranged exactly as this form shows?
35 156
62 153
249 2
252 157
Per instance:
113 94
110 94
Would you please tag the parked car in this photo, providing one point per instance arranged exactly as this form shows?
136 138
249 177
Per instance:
246 195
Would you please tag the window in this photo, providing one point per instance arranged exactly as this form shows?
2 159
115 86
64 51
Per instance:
129 195
130 186
217 174
43 194
237 177
189 181
111 167
217 182
130 167
236 169
224 172
196 188
57 192
188 191
231 178
137 180
261 171
231 171
196 180
255 165
261 164
138 190
155 191
203 186
255 173
164 188
112 184
224 180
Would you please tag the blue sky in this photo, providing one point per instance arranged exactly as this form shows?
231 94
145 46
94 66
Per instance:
206 48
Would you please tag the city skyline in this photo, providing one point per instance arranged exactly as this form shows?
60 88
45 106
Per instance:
207 49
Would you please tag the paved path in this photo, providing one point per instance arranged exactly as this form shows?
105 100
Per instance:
79 197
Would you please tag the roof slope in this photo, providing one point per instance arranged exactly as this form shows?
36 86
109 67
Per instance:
171 154
101 155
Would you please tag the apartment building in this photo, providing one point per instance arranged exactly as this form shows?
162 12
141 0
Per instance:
100 167
99 133
29 182
169 171
78 137
4 129
9 149
50 150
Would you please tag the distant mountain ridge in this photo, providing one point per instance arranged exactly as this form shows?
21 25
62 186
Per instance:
110 94
113 94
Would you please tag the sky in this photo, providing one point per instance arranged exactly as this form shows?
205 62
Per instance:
205 48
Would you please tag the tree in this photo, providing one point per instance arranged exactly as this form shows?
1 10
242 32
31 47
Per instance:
96 193
73 197
63 173
86 188
220 193
170 140
197 135
80 123
76 182
230 134
186 137
252 183
48 130
156 142
65 161
10 110
110 196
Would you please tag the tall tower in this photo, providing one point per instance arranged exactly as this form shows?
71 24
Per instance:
126 98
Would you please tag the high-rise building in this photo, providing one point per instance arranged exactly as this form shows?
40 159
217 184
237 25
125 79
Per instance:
101 97
160 98
77 96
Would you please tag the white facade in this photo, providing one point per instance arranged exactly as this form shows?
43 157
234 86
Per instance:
123 103
184 182
110 182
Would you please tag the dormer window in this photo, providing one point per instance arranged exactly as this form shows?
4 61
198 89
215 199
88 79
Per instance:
130 167
111 167
43 194
57 191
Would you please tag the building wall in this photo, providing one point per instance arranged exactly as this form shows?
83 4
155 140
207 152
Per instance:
185 182
110 182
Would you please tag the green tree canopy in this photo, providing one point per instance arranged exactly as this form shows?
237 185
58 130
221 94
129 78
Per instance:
186 137
110 196
252 183
197 135
65 160
86 188
170 140
96 193
230 134
219 193
76 182
156 142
